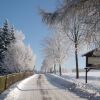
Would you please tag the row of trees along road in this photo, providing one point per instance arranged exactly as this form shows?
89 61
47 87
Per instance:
15 56
79 21
55 51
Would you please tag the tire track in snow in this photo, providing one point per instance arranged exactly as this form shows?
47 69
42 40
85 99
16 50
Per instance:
43 92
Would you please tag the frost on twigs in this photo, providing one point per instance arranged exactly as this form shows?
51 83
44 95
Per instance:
18 56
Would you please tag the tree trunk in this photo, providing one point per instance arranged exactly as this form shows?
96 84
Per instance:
55 68
76 59
50 70
60 70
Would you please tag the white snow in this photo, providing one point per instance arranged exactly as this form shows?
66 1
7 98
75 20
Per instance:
13 91
93 85
24 54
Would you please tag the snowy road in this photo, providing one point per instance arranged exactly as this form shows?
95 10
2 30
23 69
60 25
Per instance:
42 87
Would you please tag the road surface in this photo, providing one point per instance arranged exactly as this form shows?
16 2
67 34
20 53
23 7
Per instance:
42 87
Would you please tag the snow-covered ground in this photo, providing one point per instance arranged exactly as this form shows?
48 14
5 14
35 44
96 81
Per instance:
93 85
42 87
68 85
12 92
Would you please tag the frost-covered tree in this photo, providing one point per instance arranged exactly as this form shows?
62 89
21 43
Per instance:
2 47
73 16
55 50
48 51
7 33
15 56
6 38
19 57
61 49
30 58
47 65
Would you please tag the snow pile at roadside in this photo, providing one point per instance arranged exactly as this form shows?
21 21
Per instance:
93 85
13 92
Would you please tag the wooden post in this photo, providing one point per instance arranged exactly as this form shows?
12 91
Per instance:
60 72
86 76
86 69
55 68
6 82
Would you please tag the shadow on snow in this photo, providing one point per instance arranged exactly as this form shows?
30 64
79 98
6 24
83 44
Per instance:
66 85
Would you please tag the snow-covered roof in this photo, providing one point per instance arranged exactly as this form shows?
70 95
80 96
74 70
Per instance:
89 53
94 52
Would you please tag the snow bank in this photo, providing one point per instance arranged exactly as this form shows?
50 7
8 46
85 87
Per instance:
93 85
14 92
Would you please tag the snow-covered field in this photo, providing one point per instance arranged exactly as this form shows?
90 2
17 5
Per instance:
93 85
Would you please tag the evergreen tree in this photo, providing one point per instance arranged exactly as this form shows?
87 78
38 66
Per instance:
6 38
2 46
12 36
6 34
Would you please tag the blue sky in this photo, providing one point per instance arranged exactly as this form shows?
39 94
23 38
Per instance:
24 15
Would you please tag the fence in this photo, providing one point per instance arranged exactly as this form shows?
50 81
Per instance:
7 80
